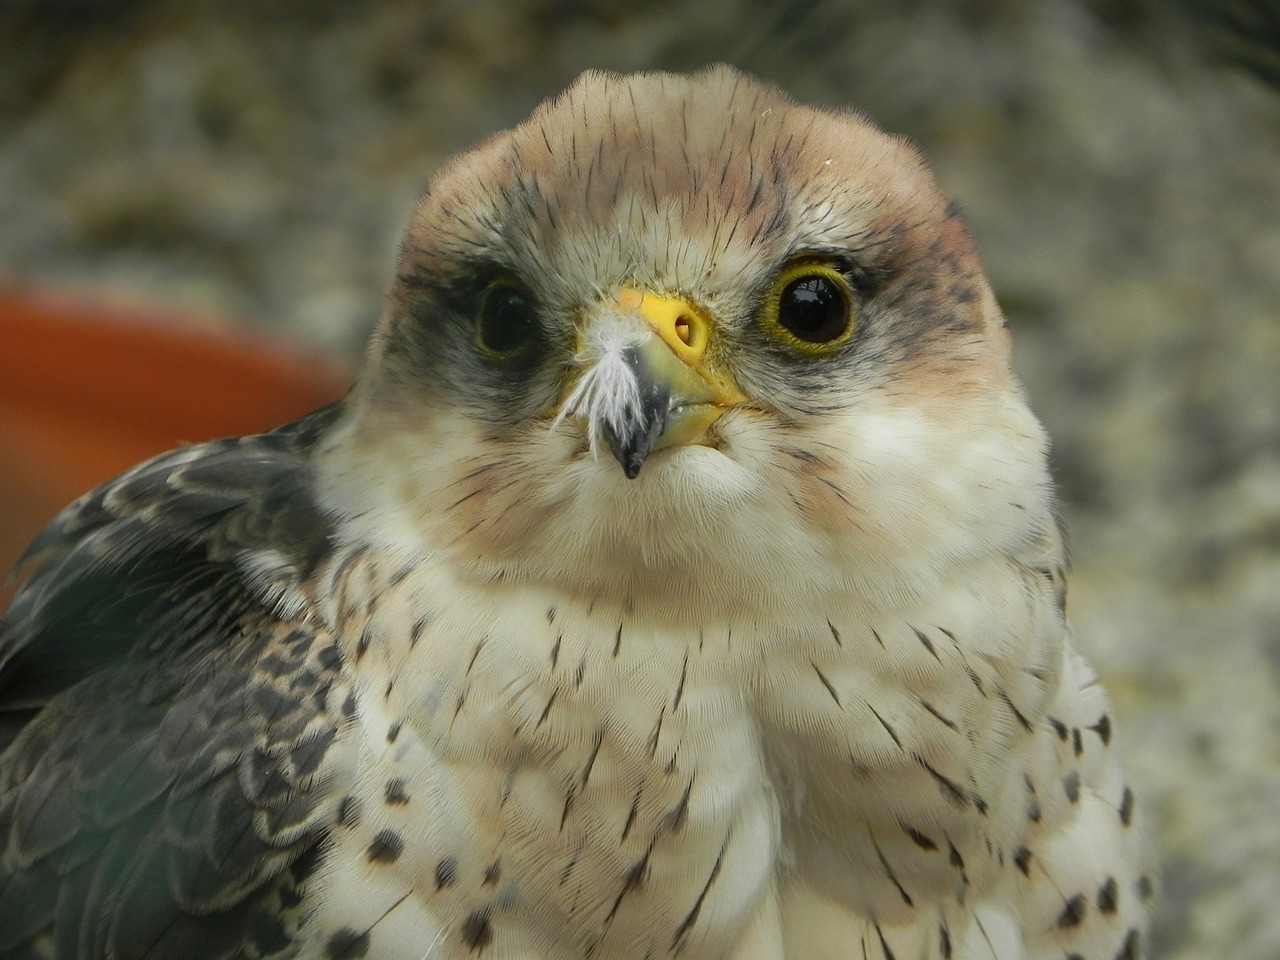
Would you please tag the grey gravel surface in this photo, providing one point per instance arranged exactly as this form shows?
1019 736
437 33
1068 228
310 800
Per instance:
1120 171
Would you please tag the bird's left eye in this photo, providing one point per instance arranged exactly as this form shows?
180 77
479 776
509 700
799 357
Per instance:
507 322
810 305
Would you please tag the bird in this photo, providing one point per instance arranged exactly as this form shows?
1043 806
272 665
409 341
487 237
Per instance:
682 576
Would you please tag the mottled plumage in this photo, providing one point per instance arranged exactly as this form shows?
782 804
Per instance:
680 578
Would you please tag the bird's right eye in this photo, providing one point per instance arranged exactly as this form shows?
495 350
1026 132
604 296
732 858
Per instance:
508 322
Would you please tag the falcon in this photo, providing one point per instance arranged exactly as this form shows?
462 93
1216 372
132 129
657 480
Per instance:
680 578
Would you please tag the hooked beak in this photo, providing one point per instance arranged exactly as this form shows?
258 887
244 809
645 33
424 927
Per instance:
648 385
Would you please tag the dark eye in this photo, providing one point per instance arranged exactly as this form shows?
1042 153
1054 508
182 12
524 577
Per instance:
814 307
507 319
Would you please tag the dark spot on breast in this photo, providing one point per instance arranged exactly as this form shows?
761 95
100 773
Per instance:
950 789
349 811
386 847
1022 860
1126 807
944 942
884 944
347 944
570 798
393 732
632 880
567 870
396 795
1059 728
1018 715
1073 913
1077 745
477 931
1129 951
446 873
937 715
975 680
362 645
546 711
1146 889
1108 894
1103 729
493 873
418 628
1033 810
675 818
919 839
926 643
1071 785
835 634
827 684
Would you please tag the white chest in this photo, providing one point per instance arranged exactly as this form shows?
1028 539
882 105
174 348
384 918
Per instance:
543 778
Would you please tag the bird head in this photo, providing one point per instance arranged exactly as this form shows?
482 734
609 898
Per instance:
681 338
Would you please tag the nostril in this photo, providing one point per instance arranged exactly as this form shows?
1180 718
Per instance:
690 331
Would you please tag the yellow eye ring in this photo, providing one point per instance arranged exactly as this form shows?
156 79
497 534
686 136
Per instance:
507 322
809 307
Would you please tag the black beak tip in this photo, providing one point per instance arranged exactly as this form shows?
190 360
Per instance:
630 452
633 442
633 448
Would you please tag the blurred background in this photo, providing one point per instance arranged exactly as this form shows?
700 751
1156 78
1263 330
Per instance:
247 167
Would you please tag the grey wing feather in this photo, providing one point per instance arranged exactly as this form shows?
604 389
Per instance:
168 705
